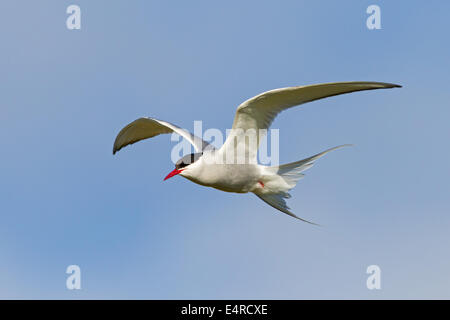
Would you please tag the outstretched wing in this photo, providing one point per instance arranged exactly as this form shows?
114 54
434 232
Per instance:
259 112
144 128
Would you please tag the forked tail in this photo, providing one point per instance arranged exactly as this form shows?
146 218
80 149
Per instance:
290 173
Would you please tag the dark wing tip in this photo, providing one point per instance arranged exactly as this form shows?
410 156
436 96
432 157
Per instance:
120 147
115 148
391 85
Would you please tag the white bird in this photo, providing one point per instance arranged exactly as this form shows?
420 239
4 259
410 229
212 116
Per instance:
212 167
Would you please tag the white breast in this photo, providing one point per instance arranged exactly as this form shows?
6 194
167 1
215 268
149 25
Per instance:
208 171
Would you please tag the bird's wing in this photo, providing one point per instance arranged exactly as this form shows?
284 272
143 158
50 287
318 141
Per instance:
258 112
144 128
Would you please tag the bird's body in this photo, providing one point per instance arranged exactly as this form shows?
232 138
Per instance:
234 167
241 178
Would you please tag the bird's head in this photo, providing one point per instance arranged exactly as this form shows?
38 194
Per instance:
183 164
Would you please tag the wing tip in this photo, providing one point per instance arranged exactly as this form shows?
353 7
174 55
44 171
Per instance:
393 85
378 84
115 148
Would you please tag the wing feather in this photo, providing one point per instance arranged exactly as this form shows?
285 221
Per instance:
258 112
144 128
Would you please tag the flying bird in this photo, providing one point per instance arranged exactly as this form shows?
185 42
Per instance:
234 167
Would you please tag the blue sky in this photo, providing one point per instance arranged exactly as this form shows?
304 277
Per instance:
64 199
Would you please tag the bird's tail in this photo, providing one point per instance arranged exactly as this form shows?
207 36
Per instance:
290 173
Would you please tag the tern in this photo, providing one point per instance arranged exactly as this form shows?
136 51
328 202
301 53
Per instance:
206 166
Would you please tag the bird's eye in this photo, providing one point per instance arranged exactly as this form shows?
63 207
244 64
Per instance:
181 165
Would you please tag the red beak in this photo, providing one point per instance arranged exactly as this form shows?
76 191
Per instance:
173 173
